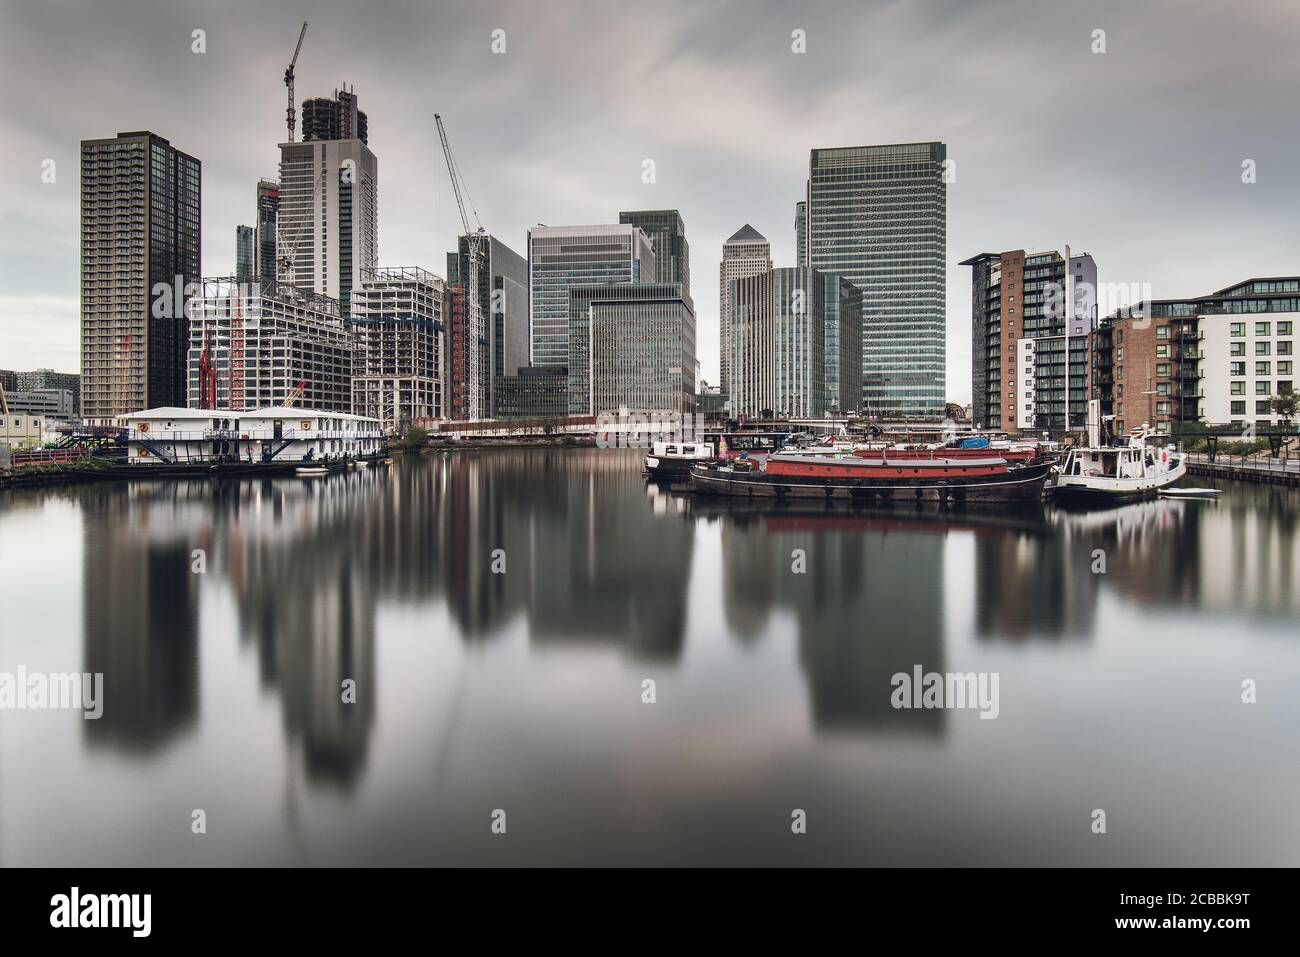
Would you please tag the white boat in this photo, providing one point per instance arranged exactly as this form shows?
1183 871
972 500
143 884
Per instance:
311 471
1189 493
674 459
1115 472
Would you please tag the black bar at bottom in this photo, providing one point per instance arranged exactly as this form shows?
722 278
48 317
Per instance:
333 907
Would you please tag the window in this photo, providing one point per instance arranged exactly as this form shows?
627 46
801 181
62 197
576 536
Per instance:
1284 387
1162 388
1263 368
1284 348
1237 348
1162 352
1162 369
1284 327
1162 332
1261 387
1263 328
1263 408
1237 368
1284 368
1262 348
1238 329
1239 387
1238 408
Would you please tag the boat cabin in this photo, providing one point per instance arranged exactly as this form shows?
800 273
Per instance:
1111 462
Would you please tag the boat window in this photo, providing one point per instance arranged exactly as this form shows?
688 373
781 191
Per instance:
670 450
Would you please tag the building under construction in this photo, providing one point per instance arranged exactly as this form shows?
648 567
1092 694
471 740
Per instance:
252 344
336 119
400 336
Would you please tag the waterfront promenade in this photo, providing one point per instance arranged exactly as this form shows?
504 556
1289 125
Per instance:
1281 471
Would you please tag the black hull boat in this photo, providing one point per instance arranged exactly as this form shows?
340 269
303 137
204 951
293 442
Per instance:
1019 485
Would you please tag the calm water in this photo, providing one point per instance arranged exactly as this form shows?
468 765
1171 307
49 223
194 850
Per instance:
522 691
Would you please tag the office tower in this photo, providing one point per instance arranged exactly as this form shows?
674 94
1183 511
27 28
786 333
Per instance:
268 208
245 257
667 234
328 219
877 215
801 233
779 342
1018 339
633 345
1219 358
503 298
843 363
262 341
746 253
398 329
564 256
140 250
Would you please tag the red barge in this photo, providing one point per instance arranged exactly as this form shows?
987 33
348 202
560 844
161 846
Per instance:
943 480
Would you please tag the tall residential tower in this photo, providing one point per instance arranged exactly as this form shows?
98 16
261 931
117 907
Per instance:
140 261
328 218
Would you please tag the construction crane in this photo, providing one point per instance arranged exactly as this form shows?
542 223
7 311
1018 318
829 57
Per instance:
290 114
473 308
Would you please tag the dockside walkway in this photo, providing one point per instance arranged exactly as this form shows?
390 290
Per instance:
1279 471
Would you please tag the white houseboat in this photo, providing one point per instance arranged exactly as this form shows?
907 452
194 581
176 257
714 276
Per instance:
270 439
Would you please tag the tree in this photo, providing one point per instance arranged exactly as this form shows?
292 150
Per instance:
1285 405
415 437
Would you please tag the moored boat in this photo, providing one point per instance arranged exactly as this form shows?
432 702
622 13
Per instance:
887 480
1107 473
674 459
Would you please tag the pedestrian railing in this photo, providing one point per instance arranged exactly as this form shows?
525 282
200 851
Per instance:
1258 463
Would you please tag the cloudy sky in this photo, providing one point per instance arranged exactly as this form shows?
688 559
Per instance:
1134 154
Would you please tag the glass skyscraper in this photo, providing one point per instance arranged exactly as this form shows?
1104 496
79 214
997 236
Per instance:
564 256
667 234
789 345
878 215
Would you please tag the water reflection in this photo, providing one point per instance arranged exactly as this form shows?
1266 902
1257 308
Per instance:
594 555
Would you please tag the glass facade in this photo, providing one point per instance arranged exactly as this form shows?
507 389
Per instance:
843 344
564 256
780 342
878 216
631 344
667 234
